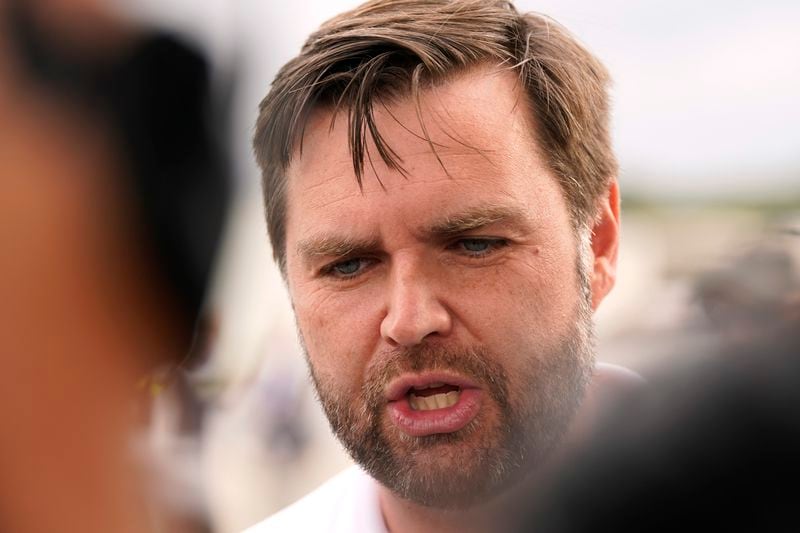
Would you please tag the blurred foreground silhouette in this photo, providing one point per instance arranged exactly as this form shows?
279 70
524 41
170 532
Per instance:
113 191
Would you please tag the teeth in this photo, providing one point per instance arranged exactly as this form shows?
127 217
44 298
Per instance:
430 386
436 401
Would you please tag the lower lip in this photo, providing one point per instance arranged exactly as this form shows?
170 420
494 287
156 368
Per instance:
447 420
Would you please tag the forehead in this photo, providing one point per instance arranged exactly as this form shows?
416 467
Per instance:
479 125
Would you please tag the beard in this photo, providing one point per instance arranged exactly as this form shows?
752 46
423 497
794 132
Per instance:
521 420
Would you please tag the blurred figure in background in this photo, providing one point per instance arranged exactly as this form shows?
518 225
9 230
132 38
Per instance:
113 189
751 291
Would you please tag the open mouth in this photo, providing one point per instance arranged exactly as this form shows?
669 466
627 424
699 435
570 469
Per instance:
432 402
433 396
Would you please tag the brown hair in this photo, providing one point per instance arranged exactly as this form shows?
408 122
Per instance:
387 48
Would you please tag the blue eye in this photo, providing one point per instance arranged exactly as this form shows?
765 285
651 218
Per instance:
476 245
347 268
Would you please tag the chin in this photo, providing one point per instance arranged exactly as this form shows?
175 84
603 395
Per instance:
449 470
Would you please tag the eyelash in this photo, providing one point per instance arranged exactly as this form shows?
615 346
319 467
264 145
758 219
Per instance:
330 270
493 245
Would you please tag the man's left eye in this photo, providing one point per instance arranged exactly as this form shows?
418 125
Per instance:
478 247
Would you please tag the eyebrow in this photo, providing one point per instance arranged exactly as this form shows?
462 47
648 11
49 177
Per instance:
474 218
334 246
449 226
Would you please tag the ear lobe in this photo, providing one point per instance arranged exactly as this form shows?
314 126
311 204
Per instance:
605 244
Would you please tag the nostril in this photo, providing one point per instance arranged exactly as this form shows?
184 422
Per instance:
414 312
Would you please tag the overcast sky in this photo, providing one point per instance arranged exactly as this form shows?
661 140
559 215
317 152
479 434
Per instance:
705 95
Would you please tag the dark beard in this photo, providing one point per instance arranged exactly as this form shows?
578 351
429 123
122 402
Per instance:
512 435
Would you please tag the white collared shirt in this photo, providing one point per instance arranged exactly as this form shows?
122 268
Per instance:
346 503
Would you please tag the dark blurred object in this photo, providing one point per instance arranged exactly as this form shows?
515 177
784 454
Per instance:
153 93
714 448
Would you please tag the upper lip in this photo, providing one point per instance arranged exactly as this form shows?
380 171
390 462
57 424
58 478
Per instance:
398 387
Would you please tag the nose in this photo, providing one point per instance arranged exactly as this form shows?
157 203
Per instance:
415 309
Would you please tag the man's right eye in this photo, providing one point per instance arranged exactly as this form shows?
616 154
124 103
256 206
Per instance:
347 269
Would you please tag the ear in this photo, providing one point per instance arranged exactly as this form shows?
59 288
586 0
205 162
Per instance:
605 244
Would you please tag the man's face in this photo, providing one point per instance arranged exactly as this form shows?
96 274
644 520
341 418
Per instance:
444 314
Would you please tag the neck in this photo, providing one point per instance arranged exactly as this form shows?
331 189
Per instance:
402 516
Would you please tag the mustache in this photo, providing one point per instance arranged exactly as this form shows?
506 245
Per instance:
475 362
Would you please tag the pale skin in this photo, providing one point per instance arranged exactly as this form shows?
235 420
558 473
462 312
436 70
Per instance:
477 248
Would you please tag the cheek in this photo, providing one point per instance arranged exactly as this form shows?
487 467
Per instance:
555 289
523 302
339 330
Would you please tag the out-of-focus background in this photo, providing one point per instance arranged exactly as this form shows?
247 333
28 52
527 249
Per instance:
705 126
